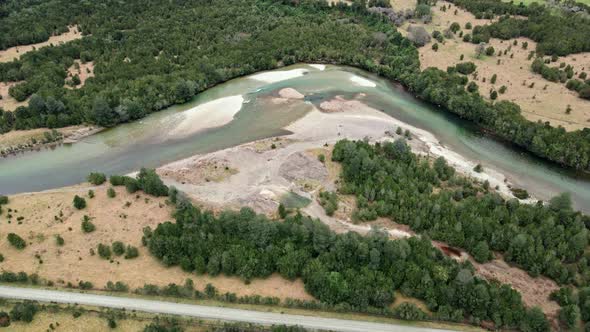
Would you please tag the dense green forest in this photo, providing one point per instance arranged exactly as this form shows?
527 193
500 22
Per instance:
33 21
151 54
388 180
350 271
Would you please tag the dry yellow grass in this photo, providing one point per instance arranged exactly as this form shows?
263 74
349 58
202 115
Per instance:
403 4
545 101
92 320
15 52
83 70
114 222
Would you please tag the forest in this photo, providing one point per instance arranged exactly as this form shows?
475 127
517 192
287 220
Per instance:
350 271
390 181
551 239
165 53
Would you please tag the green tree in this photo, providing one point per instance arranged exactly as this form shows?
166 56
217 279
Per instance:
16 241
97 178
79 202
24 311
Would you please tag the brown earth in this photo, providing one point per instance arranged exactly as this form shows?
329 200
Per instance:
83 70
534 291
402 4
201 171
115 221
15 52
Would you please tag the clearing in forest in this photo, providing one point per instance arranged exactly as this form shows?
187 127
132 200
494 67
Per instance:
15 52
538 98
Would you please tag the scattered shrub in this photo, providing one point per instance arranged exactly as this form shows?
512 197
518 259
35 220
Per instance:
16 241
79 202
118 248
97 178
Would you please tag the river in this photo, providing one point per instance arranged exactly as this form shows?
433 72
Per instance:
151 142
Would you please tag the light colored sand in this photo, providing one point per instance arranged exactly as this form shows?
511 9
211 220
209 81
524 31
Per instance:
7 102
12 53
545 101
114 222
278 75
398 5
318 66
361 81
290 93
212 114
260 170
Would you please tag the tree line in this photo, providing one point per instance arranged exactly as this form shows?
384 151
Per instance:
355 271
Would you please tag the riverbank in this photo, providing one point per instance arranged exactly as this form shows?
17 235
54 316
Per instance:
15 142
248 175
264 172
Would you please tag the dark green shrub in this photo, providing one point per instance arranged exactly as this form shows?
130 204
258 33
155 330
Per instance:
131 252
16 241
118 248
466 68
104 251
97 178
79 202
24 311
87 226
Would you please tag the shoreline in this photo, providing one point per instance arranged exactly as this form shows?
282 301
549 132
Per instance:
256 178
51 139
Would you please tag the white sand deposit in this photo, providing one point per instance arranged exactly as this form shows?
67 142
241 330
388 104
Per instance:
318 66
259 172
277 76
361 81
212 114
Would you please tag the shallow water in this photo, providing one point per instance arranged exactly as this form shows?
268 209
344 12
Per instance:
149 143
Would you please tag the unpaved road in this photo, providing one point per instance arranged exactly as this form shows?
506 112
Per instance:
206 312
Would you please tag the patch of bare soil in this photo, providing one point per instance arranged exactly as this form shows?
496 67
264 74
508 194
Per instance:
201 171
15 52
7 102
534 291
402 4
82 70
538 98
290 93
122 218
332 167
339 104
264 145
300 166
